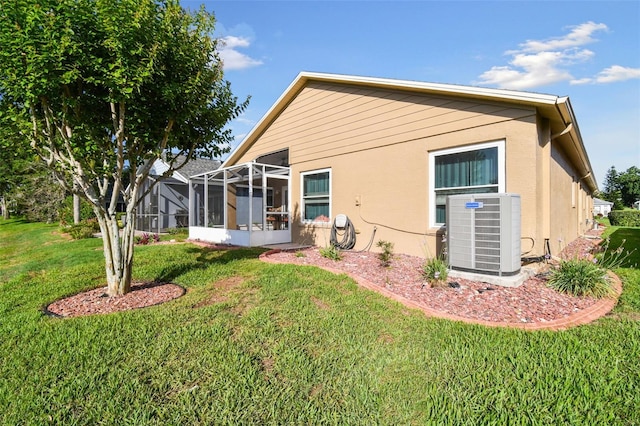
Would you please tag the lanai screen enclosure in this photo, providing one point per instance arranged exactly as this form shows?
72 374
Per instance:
245 205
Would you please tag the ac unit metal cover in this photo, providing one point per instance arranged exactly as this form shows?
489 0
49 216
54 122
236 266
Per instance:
483 233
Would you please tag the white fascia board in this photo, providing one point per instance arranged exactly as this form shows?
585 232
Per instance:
275 109
160 167
179 176
502 94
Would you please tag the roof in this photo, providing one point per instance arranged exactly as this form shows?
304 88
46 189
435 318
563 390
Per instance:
599 202
556 108
194 167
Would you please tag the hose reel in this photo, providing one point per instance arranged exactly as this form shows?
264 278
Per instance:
343 229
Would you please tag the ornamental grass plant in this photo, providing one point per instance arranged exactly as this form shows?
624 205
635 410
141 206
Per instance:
581 277
435 272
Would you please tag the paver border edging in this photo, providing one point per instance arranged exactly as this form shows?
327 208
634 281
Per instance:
584 316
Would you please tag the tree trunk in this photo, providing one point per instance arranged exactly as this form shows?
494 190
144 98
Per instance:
3 207
118 251
76 208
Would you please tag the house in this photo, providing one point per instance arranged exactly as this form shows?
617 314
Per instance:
387 153
167 204
602 207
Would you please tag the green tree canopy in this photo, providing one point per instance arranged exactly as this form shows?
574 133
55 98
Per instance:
102 88
630 185
622 188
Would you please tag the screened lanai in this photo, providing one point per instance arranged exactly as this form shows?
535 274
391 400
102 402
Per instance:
245 205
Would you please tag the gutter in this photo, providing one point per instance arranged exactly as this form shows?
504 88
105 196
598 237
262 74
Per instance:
563 106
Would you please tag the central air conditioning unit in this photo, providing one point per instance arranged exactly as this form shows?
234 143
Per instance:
483 233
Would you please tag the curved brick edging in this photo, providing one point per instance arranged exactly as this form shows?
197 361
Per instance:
584 316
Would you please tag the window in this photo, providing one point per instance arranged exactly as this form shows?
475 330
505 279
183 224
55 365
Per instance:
316 195
477 169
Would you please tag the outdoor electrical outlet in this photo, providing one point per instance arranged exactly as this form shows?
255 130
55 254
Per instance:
357 200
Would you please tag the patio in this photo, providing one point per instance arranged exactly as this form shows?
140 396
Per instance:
244 205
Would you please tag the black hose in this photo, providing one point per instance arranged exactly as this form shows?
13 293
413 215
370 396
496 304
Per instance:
347 236
368 246
538 259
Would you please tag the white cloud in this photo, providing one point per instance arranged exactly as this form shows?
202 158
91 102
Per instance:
232 59
617 73
245 121
612 74
579 36
541 62
585 80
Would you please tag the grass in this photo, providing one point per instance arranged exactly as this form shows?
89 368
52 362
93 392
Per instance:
629 239
254 343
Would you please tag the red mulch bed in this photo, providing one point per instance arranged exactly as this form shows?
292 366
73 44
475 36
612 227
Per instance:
96 301
531 302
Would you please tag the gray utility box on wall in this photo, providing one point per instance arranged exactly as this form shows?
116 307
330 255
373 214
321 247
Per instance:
483 233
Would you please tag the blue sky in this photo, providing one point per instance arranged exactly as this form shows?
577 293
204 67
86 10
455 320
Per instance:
587 50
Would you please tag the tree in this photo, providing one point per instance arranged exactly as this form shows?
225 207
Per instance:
102 88
629 182
611 181
611 191
16 158
38 197
622 188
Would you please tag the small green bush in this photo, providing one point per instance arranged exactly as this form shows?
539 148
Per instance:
435 271
580 277
178 231
330 252
82 230
386 254
625 217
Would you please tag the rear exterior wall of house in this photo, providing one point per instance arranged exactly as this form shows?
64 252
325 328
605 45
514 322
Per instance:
379 148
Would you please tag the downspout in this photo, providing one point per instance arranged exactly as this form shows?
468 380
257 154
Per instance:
569 129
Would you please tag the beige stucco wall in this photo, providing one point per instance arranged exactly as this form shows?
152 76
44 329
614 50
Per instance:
571 204
377 144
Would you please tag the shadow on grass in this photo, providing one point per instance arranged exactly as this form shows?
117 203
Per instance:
12 221
629 240
207 257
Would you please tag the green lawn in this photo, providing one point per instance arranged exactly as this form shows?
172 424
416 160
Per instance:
254 343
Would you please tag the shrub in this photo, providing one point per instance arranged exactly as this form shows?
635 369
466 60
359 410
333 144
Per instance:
624 217
435 271
330 252
66 211
145 239
580 277
386 254
178 231
84 229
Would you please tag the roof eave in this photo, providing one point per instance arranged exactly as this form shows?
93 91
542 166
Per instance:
568 117
548 104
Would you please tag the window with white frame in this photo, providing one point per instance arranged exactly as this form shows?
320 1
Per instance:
316 195
475 169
